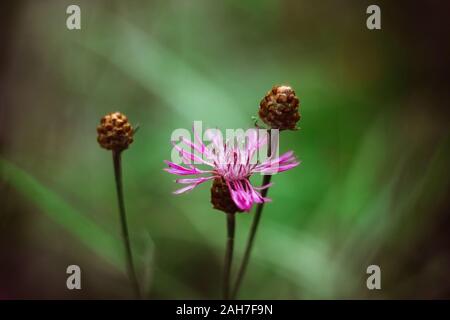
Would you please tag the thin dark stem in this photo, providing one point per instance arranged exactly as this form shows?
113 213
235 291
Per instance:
123 221
254 227
228 255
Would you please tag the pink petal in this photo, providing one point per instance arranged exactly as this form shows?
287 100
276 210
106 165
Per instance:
189 157
263 187
195 182
278 168
244 194
286 157
182 171
200 149
203 149
285 162
183 190
255 194
216 138
239 196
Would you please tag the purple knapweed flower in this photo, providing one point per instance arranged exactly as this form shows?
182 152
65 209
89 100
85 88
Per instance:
231 164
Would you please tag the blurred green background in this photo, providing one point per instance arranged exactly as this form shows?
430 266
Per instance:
374 143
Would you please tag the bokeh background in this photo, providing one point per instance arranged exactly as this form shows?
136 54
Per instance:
374 140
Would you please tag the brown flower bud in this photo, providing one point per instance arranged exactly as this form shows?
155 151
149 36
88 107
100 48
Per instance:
279 108
221 197
115 132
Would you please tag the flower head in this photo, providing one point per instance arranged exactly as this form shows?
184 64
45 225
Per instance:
230 164
279 108
115 132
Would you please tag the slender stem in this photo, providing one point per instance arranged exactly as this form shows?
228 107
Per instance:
228 255
123 222
254 227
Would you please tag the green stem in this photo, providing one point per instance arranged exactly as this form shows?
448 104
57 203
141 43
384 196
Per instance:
254 227
123 222
228 255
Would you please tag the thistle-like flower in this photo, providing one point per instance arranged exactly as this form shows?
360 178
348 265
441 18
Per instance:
231 166
279 108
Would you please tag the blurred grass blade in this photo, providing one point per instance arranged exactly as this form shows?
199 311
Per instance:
98 240
88 232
